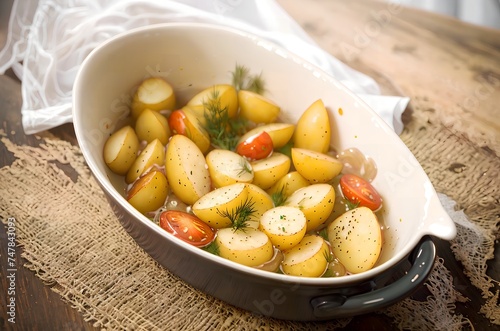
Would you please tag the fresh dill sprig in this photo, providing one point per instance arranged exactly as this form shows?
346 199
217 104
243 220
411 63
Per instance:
218 124
323 233
245 167
351 205
287 149
279 197
239 216
243 80
328 256
240 75
212 248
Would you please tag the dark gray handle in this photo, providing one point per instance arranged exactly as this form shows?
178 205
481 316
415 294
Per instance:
337 306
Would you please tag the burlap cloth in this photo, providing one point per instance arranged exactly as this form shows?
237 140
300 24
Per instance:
74 243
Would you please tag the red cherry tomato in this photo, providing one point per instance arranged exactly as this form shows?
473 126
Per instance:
359 191
187 227
256 147
176 122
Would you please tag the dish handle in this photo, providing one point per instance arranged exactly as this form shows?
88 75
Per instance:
337 306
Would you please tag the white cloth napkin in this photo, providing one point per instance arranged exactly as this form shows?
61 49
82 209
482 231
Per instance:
48 40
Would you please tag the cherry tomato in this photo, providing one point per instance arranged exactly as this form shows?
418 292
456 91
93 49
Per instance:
176 122
187 227
359 191
256 147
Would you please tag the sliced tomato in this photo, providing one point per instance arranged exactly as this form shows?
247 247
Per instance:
187 227
176 122
256 147
359 191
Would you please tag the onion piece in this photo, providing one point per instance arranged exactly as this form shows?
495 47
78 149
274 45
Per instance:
273 264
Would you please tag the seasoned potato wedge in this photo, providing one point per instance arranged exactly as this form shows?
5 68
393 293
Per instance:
225 199
288 184
151 125
280 133
314 166
120 150
198 111
225 93
261 203
306 259
268 171
226 167
313 130
149 192
285 226
153 153
251 247
195 131
186 169
257 108
153 93
356 239
316 202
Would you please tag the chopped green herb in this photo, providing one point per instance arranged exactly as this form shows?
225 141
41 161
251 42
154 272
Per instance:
240 216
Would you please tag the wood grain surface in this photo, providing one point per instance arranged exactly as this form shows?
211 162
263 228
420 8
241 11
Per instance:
449 69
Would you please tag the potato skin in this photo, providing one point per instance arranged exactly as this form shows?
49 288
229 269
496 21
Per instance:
151 125
288 184
356 239
316 201
227 97
250 247
226 198
269 170
226 168
149 192
152 154
120 150
186 169
314 166
257 108
307 258
313 130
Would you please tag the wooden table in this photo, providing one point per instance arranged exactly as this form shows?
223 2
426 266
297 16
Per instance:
443 65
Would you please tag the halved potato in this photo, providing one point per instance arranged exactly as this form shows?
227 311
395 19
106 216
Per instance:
195 131
198 111
225 93
288 184
186 169
153 93
251 247
257 108
209 208
316 201
285 226
120 150
314 166
356 239
149 192
262 202
268 171
306 259
280 133
153 153
151 125
227 167
313 130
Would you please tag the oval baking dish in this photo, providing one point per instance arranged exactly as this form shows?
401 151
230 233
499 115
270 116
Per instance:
192 56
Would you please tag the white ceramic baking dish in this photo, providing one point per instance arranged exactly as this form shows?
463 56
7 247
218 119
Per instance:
193 56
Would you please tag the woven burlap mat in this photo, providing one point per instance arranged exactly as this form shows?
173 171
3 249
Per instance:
73 241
